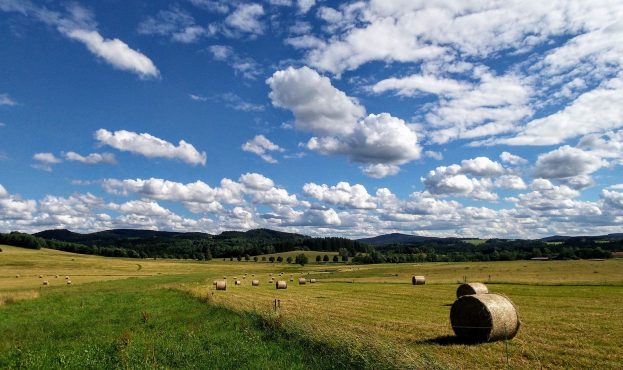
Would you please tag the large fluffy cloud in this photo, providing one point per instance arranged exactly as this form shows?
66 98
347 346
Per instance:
566 162
378 138
318 107
150 146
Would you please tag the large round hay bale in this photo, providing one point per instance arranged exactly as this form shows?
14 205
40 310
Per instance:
255 283
221 285
312 280
302 281
471 288
484 318
418 280
281 284
238 282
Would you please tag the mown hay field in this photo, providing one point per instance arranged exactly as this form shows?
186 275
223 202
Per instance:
570 310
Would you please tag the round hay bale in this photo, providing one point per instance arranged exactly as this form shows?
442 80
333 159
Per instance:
484 318
471 288
56 276
302 281
235 278
238 282
221 285
40 276
312 280
281 284
418 280
17 276
66 277
45 282
291 279
68 282
255 283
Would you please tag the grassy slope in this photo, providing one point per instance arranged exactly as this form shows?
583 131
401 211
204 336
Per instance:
570 310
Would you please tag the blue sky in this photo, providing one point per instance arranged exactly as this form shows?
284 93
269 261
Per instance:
478 118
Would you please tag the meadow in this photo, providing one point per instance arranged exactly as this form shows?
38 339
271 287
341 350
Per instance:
128 313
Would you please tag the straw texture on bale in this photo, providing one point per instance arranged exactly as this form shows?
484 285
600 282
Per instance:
221 285
255 283
237 282
418 280
471 288
484 318
302 281
281 284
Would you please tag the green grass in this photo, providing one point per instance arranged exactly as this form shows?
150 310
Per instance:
130 324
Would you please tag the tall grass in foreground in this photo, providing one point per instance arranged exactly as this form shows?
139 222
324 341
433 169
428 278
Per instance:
123 325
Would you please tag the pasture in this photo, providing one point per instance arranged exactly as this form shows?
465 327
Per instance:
354 316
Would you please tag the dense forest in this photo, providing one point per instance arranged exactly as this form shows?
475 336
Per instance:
459 250
242 245
198 246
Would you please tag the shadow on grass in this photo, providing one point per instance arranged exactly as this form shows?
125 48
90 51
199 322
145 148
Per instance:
447 340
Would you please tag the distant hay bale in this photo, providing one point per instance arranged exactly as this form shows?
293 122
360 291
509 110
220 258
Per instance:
281 284
484 318
40 276
224 277
68 282
45 282
471 288
235 278
312 280
255 283
418 280
302 281
238 282
221 285
17 276
291 279
66 277
56 276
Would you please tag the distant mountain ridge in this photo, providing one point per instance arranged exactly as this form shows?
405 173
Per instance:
110 236
398 238
114 235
